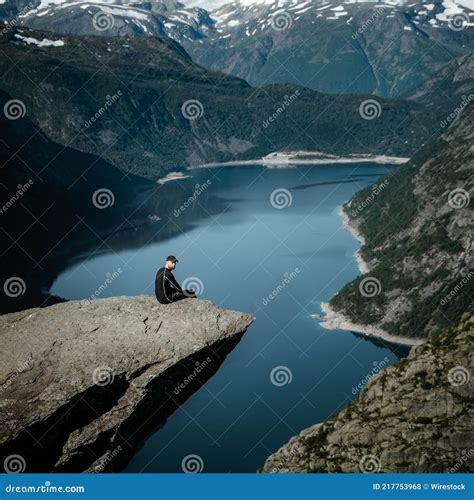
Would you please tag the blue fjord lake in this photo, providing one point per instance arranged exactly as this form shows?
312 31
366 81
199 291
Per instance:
275 261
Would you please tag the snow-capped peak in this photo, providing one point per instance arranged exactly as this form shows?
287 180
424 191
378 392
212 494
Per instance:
212 5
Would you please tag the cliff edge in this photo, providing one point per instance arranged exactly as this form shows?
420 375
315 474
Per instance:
84 381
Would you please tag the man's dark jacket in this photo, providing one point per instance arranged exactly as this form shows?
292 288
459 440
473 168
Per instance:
167 289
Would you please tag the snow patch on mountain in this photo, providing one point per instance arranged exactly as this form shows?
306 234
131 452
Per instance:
242 13
213 5
40 43
228 23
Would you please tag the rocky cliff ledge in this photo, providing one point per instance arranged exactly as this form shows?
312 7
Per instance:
412 417
83 382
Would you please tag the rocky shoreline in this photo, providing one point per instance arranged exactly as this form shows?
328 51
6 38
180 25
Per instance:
333 320
83 382
412 417
307 158
361 263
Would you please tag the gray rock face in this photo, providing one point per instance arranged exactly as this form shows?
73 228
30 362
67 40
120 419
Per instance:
82 382
412 417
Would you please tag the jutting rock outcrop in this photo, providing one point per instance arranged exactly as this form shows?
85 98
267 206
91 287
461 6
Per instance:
83 382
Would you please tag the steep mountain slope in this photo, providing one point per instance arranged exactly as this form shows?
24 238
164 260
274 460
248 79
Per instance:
333 46
53 197
161 18
330 46
163 110
449 91
415 416
418 240
412 417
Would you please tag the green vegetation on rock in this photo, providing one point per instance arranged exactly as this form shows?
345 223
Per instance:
417 246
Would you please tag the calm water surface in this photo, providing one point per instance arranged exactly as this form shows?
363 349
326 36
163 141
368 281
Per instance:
275 263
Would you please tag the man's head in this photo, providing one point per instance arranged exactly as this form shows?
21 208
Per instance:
171 262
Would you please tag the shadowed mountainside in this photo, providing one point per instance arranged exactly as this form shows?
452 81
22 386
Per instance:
163 111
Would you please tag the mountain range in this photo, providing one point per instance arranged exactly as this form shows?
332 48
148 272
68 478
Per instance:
331 46
105 98
116 109
163 111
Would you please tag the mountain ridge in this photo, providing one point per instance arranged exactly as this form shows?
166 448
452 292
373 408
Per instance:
165 112
332 47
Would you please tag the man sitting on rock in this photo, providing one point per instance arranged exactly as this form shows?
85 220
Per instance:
167 289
